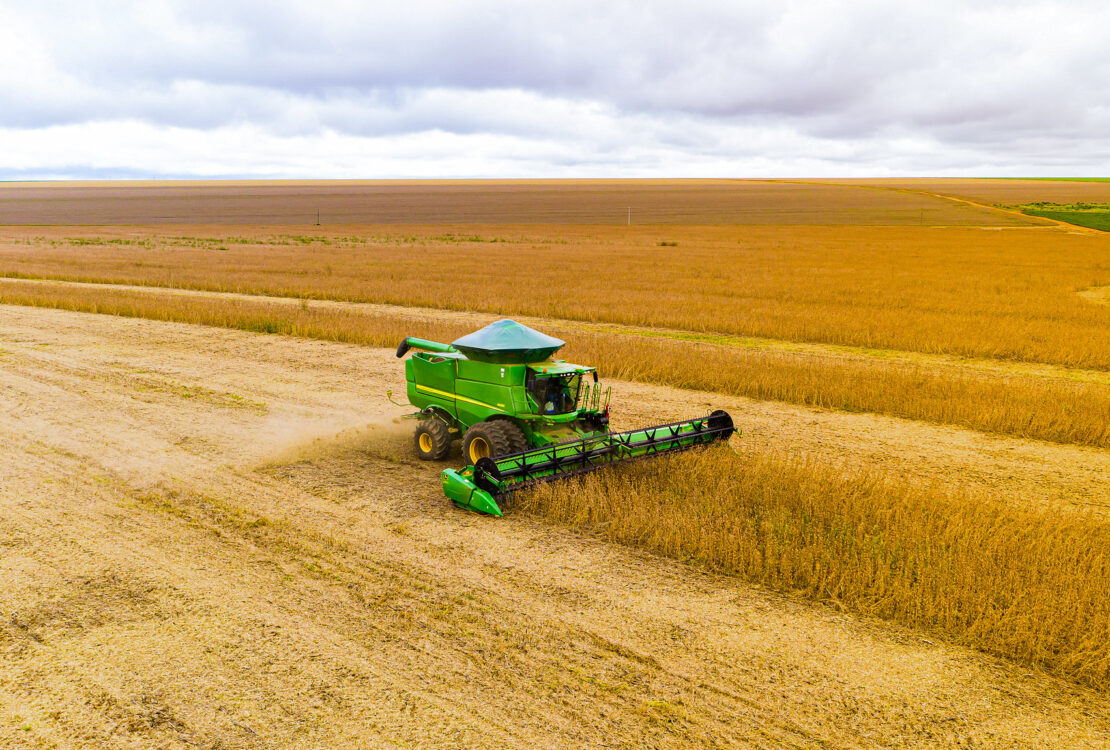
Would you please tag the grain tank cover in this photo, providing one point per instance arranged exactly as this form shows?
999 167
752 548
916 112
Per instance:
507 341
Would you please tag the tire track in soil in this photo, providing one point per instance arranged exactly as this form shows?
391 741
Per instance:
334 599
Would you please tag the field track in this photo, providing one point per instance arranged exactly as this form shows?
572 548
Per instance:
993 192
938 189
211 536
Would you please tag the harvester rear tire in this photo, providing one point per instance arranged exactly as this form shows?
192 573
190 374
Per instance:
487 440
432 440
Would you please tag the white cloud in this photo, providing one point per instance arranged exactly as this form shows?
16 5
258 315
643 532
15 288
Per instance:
510 88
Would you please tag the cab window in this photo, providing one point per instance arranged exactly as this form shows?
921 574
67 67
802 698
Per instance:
554 394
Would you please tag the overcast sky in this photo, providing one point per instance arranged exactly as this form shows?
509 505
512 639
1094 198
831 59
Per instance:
420 88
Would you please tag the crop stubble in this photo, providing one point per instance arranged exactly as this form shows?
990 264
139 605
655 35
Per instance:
337 601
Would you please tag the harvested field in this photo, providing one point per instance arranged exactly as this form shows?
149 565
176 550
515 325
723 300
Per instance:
274 586
476 202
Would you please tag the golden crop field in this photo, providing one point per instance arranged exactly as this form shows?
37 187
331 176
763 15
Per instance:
970 292
913 521
1022 583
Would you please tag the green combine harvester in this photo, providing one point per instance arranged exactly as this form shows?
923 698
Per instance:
523 417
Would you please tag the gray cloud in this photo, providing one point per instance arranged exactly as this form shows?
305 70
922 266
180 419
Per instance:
530 89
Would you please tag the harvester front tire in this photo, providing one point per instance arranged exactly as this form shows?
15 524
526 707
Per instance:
486 440
432 440
514 436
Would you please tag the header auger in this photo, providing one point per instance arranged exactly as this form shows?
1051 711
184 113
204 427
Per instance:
522 416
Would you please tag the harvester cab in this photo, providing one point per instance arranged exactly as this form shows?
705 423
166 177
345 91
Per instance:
521 415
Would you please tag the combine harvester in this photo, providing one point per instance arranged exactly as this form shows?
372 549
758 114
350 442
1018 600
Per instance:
522 416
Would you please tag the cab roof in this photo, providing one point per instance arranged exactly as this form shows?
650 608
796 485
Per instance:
557 368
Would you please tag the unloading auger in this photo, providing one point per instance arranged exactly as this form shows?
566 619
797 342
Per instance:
522 416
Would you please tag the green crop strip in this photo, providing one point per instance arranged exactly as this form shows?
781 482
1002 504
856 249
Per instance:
1091 215
1055 179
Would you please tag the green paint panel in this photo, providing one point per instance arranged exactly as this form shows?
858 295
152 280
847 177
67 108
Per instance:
435 370
472 391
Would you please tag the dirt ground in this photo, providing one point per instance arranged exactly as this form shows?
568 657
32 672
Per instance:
212 538
482 201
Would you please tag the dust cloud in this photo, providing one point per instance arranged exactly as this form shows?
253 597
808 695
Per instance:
291 440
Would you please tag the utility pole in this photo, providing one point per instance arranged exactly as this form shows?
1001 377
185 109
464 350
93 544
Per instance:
630 216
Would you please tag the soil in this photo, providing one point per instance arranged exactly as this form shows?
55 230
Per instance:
212 538
330 203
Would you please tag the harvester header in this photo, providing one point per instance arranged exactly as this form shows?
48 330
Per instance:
523 416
